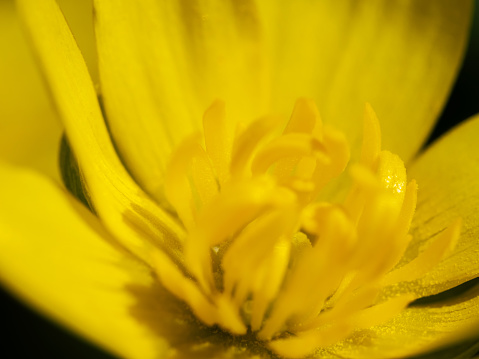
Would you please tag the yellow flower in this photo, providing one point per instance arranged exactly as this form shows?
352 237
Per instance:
219 228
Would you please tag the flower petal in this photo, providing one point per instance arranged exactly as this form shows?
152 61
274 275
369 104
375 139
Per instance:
447 176
56 255
163 63
416 330
79 15
29 128
139 223
400 56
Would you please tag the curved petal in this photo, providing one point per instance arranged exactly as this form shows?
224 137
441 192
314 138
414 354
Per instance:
79 15
416 330
163 63
29 127
447 175
400 56
136 221
57 257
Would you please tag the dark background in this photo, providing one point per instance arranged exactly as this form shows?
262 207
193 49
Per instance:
464 100
29 335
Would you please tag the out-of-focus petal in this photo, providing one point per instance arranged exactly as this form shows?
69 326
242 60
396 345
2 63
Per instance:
29 127
79 15
56 256
400 56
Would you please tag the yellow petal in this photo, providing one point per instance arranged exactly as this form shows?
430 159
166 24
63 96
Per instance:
447 176
57 256
79 15
136 221
163 64
415 330
29 127
400 56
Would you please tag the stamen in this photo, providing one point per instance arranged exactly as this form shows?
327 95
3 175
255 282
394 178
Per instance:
264 255
305 118
184 288
437 250
189 164
338 151
343 310
371 138
246 143
290 145
381 313
274 267
218 139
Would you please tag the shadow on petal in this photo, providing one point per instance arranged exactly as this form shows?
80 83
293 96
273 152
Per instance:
170 319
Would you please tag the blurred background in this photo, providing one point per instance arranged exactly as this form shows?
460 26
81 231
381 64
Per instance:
27 334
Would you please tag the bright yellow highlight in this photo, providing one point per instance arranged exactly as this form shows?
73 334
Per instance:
262 255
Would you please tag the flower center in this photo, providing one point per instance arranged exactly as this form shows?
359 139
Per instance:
265 254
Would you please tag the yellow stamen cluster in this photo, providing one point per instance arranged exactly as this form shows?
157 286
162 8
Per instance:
264 255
